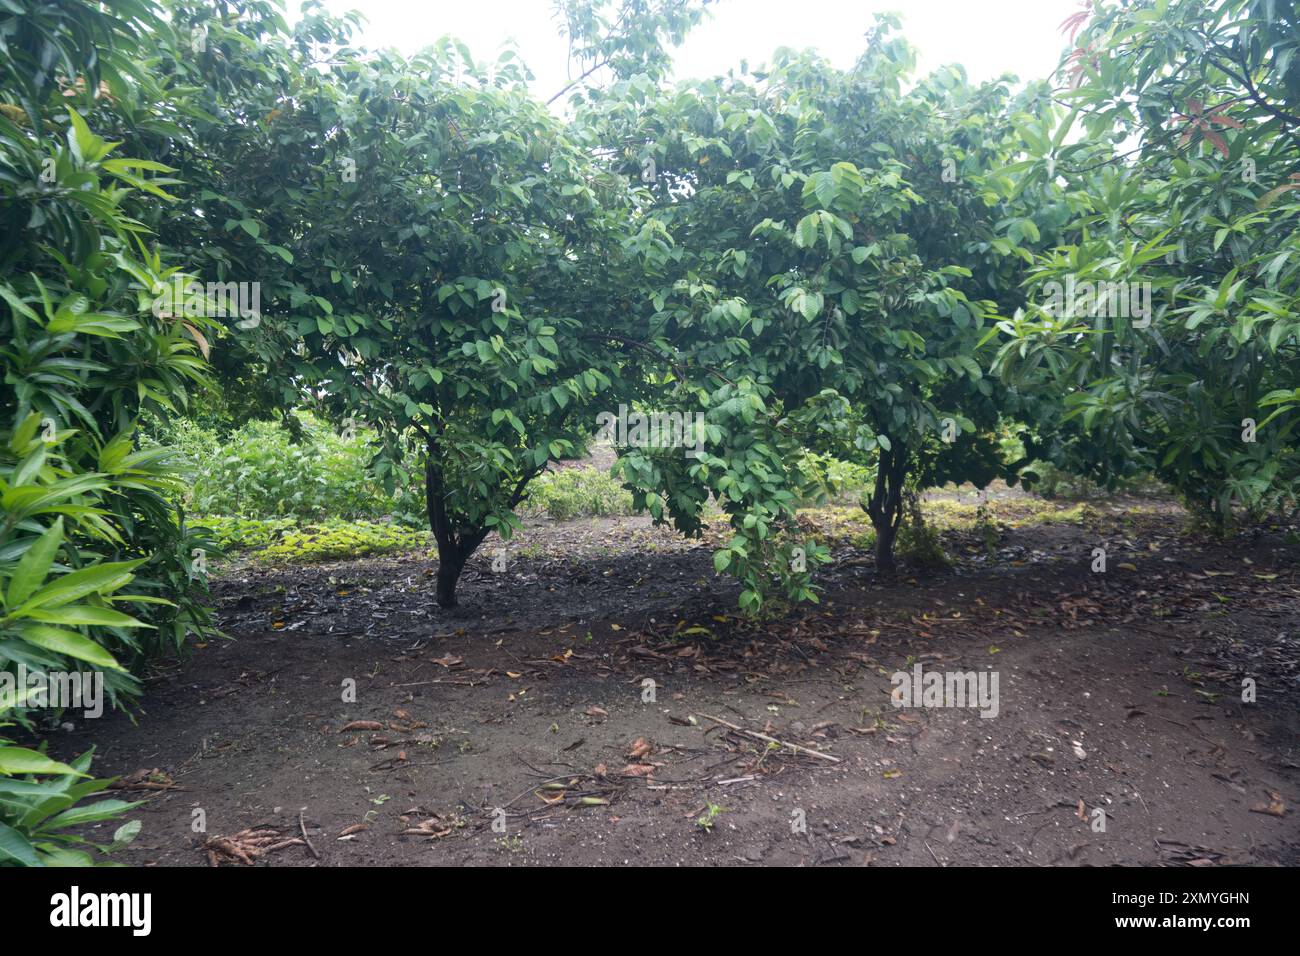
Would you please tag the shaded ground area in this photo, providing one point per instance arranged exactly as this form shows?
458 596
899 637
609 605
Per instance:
530 707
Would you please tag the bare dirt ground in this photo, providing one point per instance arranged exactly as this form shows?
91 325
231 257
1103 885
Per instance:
1119 691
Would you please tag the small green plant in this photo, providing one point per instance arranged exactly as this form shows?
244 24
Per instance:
918 543
771 748
511 844
711 813
987 528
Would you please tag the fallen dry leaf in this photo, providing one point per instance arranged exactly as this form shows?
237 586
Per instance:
1274 807
361 725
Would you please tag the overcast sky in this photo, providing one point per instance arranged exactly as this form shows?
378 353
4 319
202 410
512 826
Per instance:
988 37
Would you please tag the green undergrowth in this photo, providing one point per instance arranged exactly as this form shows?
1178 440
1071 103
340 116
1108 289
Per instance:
580 492
288 540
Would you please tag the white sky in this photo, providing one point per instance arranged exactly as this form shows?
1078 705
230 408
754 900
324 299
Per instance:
988 37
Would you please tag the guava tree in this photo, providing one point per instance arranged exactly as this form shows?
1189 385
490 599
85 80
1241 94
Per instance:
822 262
432 250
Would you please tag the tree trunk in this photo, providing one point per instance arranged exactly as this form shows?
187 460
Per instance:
886 534
885 506
456 544
451 554
450 565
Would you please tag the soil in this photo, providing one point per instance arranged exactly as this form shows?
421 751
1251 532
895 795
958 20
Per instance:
520 729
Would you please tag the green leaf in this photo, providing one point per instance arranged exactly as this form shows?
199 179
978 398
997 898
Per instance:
85 615
35 565
805 234
96 579
89 813
70 643
14 846
16 760
126 833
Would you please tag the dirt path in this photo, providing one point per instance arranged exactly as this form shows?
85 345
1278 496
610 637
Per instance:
1118 692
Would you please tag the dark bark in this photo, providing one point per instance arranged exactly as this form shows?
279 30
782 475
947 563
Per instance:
885 506
886 535
450 565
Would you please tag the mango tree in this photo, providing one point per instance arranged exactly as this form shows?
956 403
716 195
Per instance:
1166 314
82 354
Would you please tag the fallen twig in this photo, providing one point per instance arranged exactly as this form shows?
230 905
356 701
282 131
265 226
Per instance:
302 827
772 740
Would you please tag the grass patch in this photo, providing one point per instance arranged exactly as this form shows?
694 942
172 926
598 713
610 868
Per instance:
1024 512
285 539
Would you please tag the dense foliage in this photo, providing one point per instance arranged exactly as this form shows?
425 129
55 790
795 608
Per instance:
821 261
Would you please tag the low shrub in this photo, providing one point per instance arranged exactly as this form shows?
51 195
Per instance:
41 803
262 470
579 492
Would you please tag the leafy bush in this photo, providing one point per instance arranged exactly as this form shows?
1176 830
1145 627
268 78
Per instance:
263 471
83 356
578 493
236 534
834 477
57 588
